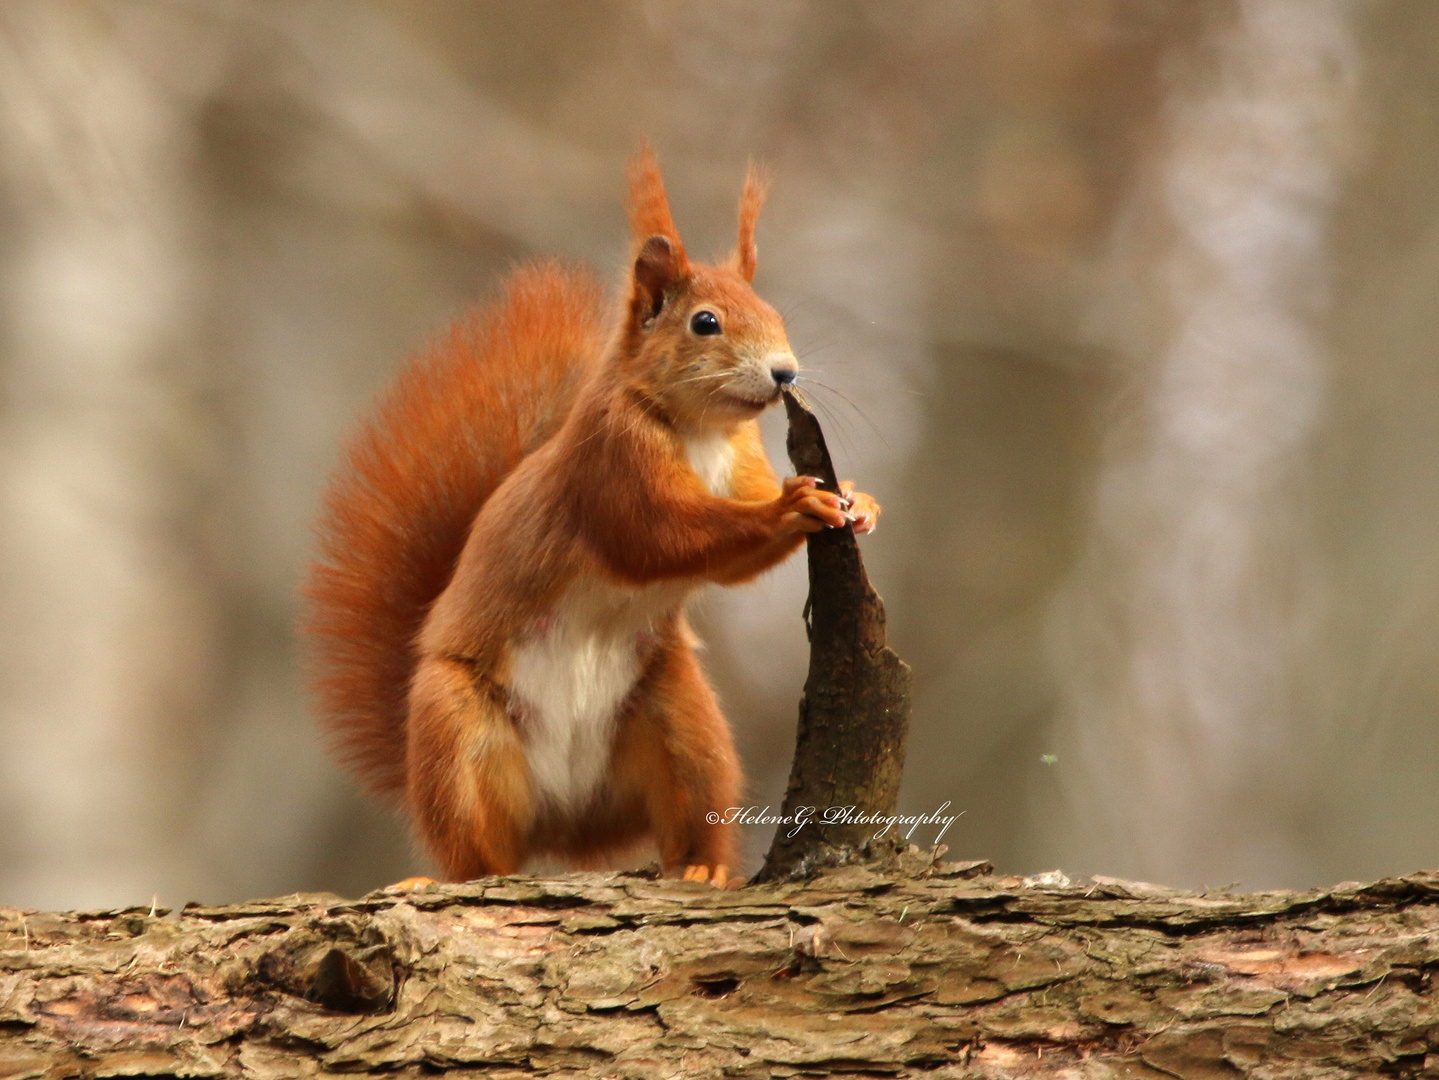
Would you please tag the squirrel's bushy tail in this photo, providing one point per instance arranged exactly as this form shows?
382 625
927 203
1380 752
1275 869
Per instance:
397 513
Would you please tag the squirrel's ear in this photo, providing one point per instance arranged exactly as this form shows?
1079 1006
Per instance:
660 261
756 187
656 270
649 207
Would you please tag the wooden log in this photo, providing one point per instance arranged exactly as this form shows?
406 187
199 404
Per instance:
940 970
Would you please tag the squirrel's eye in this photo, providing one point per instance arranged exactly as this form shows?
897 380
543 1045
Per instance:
704 322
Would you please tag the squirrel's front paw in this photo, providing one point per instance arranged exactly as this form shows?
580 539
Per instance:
863 510
805 508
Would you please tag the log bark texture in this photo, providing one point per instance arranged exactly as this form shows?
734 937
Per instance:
936 970
854 715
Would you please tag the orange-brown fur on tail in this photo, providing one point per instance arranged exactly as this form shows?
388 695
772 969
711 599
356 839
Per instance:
498 612
455 423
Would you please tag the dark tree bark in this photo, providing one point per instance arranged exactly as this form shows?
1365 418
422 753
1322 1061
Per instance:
940 970
854 715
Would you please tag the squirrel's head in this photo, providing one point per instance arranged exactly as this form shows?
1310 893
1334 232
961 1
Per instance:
699 341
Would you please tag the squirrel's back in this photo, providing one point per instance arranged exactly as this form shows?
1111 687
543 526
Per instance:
397 512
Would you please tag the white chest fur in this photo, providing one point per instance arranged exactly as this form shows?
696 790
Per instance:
571 675
711 456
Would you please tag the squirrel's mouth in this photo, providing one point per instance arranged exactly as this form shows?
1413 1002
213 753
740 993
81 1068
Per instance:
758 404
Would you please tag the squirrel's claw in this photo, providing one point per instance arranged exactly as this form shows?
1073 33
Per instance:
863 510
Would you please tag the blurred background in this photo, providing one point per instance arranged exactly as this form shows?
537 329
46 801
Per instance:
1125 309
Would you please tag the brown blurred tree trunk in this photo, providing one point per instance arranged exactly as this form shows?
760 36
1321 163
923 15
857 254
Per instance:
938 970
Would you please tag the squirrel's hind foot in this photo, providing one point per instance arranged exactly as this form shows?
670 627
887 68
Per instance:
409 884
720 878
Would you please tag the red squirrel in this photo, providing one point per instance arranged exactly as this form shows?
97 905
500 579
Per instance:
497 614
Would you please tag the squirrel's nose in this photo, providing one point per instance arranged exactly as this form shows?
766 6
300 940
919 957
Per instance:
783 375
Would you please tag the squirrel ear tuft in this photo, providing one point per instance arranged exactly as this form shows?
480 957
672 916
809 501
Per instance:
649 207
756 187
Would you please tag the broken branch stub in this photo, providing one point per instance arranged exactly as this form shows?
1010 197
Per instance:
854 715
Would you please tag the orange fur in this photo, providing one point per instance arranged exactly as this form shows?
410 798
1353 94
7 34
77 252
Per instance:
454 424
497 614
756 187
649 206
